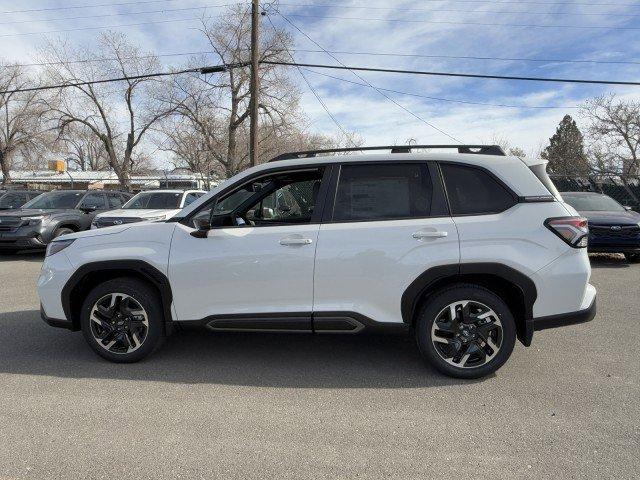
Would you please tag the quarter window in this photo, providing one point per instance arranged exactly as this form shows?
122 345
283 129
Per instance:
383 192
473 191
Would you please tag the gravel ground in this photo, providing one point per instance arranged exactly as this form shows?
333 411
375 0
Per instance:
291 406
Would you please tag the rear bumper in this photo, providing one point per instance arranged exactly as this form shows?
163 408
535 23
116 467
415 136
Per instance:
564 319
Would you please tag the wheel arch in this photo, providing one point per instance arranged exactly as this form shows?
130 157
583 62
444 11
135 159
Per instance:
90 275
515 288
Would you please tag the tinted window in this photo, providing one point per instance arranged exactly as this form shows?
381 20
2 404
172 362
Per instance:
382 192
12 200
472 191
94 200
190 198
153 200
58 199
593 203
115 201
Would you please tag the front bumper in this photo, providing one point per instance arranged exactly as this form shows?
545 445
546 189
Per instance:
56 322
23 238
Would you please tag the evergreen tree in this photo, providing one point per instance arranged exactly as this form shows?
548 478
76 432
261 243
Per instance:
565 151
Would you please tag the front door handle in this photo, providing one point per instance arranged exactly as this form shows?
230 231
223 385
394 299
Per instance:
419 235
294 241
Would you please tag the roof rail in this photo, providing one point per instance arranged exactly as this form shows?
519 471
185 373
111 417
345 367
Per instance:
471 149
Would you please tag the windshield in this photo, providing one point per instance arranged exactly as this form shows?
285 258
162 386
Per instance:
58 199
592 203
155 200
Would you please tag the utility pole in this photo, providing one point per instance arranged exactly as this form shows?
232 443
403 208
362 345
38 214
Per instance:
255 83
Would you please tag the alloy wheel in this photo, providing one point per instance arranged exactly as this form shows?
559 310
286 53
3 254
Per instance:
467 334
119 324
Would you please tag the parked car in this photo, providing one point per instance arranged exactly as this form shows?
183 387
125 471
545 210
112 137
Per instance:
467 250
53 214
12 199
148 206
613 228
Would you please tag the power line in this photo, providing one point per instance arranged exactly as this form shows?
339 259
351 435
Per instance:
559 3
448 10
449 100
77 7
364 80
304 77
344 52
201 70
450 22
464 75
468 57
103 27
145 12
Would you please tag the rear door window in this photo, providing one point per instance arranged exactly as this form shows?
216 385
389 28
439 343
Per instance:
383 192
94 200
472 191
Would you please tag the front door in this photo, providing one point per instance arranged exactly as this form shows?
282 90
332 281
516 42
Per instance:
256 271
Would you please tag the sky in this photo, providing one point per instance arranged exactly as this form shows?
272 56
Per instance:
545 38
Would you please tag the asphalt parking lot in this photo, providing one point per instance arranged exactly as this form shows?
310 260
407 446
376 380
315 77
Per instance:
259 406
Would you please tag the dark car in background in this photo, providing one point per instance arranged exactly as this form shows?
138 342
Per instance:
52 214
12 199
613 228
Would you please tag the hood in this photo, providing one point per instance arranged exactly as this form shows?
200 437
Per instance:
138 213
97 233
30 212
608 218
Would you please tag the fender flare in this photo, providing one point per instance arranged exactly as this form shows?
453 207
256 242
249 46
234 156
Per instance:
434 276
139 267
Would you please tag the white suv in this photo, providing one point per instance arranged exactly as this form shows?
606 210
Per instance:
150 206
469 250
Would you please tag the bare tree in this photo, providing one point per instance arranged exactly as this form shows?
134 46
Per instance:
83 148
614 131
21 117
119 115
229 37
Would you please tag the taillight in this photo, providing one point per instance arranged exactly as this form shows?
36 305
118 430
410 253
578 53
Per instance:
573 230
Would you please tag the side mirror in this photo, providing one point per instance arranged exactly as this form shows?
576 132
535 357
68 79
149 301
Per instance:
628 208
89 209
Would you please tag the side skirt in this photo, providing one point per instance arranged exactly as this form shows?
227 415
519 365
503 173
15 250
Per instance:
297 322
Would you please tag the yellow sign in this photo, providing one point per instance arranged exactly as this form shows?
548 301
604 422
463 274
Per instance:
56 165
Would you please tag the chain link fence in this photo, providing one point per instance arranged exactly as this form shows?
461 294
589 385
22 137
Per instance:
623 188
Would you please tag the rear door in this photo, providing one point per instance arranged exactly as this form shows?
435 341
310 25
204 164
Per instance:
388 223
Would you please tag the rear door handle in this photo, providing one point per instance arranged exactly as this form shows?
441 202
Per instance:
419 235
293 241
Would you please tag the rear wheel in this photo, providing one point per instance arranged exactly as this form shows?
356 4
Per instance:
632 257
466 331
122 320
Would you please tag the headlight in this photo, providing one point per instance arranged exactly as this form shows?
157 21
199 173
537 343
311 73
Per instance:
33 220
155 219
57 245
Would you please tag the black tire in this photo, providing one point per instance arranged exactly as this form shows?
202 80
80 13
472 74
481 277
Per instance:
632 257
61 231
147 298
436 306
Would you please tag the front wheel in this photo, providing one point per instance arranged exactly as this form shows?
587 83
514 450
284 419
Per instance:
632 257
122 320
466 331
